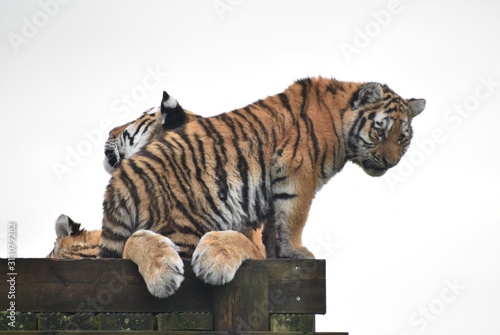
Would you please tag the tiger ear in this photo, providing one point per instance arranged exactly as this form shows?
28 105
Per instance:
65 226
173 115
370 93
416 106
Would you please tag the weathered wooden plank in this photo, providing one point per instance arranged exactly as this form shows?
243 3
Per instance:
297 286
46 285
21 321
183 321
59 321
242 304
125 321
101 286
292 322
154 332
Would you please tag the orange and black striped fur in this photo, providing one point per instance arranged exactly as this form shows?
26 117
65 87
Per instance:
125 140
74 242
260 163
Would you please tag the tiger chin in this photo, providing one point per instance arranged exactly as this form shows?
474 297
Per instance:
212 180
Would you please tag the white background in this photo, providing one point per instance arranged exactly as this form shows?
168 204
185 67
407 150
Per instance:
394 245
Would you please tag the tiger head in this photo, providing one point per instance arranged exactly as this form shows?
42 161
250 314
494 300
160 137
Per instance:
73 242
378 131
125 140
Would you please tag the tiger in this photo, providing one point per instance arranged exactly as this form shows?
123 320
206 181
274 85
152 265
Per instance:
75 243
123 141
204 184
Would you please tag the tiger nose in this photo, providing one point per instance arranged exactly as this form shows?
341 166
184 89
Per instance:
391 161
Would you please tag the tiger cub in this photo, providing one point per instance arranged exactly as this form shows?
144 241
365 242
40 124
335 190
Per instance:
123 142
199 184
74 242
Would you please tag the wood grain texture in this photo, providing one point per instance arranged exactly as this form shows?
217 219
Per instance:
65 295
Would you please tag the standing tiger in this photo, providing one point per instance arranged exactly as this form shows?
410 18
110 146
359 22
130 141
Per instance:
202 183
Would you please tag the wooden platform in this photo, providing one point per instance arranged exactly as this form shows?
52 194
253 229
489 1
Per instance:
91 296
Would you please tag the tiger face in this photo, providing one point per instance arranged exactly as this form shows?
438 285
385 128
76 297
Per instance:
126 140
382 132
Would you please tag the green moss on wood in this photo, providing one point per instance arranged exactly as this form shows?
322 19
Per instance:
126 321
22 321
292 322
185 321
59 321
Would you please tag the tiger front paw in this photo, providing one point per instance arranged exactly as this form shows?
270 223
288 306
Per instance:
165 275
220 254
158 260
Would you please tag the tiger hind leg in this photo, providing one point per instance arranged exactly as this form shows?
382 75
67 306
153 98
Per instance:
219 254
158 260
